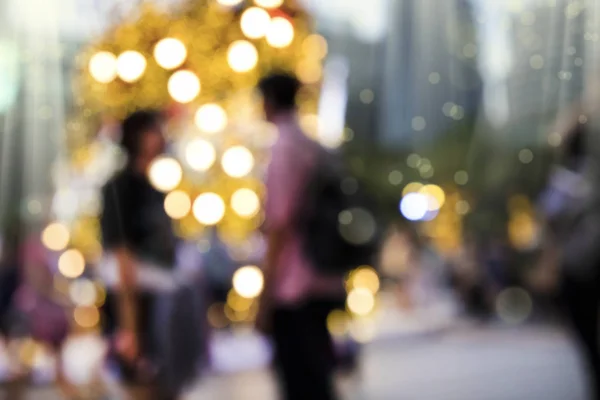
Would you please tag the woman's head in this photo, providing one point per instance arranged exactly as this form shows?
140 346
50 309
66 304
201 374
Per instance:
142 138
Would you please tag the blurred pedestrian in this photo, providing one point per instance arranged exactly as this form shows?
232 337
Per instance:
297 298
571 205
150 313
39 313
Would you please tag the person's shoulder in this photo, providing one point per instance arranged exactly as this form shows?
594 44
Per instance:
119 182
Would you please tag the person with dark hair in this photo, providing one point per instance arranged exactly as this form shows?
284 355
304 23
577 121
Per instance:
138 268
571 207
297 298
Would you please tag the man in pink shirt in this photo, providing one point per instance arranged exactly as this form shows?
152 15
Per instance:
297 298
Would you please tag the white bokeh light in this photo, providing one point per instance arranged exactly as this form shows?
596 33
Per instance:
248 282
200 155
211 118
242 56
255 22
245 203
269 3
184 86
414 206
170 53
103 67
165 174
237 162
131 65
209 209
280 33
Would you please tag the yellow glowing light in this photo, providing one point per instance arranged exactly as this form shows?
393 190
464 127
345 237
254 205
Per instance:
315 46
71 264
86 317
229 3
412 187
248 282
242 56
83 293
269 3
245 203
211 118
237 162
280 33
165 174
361 301
435 192
131 65
170 53
237 302
200 155
337 323
178 204
103 67
184 86
209 209
365 278
309 71
255 22
56 237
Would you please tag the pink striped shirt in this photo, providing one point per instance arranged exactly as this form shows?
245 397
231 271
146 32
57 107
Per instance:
292 159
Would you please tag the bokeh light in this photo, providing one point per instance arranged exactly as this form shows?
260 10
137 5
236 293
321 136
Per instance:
436 194
83 293
103 67
255 22
461 178
178 204
71 264
338 323
514 305
412 187
242 56
56 237
165 174
360 302
414 206
184 86
269 3
237 161
315 46
280 33
170 53
86 317
245 203
209 209
248 281
229 3
357 226
211 118
309 71
200 155
365 278
131 66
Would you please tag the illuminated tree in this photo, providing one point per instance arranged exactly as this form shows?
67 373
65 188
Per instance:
199 64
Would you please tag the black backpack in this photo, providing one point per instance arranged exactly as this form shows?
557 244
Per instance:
337 222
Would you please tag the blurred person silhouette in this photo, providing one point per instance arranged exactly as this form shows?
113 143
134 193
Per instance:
151 315
571 206
39 313
297 298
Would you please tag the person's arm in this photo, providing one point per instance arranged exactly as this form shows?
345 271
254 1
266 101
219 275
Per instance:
284 181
